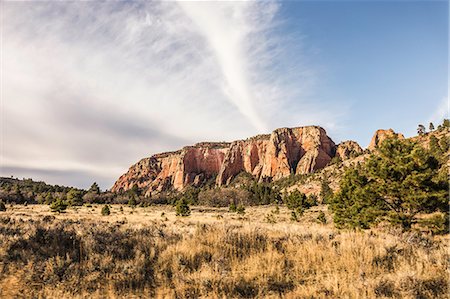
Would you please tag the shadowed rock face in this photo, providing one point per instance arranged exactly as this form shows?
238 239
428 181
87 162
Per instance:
284 152
381 135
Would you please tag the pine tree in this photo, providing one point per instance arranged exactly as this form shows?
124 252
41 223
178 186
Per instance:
421 130
431 127
401 181
94 188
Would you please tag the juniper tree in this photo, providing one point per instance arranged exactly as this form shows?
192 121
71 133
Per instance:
421 129
182 207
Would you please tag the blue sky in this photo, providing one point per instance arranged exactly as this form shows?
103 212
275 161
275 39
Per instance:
90 88
386 61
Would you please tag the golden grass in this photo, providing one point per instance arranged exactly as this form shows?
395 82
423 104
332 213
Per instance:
147 254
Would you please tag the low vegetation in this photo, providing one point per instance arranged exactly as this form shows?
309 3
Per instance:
53 257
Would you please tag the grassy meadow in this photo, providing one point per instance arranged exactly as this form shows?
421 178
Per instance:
151 253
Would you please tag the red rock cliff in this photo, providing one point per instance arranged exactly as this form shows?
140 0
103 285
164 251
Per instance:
286 151
381 135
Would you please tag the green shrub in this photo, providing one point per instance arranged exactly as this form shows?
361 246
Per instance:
105 210
58 206
232 207
74 197
132 202
322 219
182 208
437 224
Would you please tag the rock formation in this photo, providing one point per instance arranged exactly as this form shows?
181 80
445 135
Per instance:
273 156
381 135
348 149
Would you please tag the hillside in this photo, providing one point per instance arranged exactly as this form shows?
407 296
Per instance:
284 152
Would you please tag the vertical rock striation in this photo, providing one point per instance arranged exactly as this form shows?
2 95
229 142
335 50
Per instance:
273 156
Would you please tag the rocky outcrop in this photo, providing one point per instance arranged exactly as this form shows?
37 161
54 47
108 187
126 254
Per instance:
267 157
381 135
174 170
284 152
348 149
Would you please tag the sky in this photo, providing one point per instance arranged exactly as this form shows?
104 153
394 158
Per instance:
89 88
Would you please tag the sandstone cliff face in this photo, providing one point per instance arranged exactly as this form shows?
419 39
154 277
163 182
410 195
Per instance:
286 151
381 135
348 149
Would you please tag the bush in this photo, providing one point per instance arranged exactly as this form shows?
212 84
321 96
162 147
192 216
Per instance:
437 224
182 208
58 206
232 207
75 197
132 202
322 219
105 210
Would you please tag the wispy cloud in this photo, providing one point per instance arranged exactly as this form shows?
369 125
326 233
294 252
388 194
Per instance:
441 111
90 87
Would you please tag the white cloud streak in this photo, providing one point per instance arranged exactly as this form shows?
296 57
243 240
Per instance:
441 112
91 87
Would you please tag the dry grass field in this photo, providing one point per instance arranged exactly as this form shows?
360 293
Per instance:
151 253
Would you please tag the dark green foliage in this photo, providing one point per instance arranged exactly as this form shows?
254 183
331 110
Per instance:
335 160
232 207
311 200
438 224
94 188
2 206
58 206
105 210
132 202
191 195
295 200
421 130
325 191
399 182
321 217
263 193
26 190
182 208
75 197
135 190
